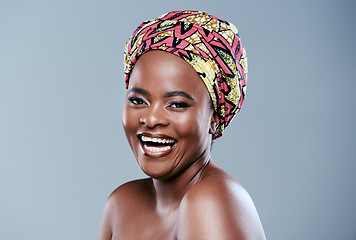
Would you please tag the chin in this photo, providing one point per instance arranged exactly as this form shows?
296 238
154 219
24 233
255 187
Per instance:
155 169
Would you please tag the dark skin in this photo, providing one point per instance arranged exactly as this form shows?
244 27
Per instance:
169 122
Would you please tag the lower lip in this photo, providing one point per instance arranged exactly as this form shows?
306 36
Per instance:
156 151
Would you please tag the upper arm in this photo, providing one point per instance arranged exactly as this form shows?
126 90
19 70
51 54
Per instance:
119 206
218 210
106 224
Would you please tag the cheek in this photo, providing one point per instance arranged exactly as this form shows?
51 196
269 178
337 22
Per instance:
129 120
124 117
192 125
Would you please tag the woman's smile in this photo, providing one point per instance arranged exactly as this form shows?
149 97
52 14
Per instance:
156 146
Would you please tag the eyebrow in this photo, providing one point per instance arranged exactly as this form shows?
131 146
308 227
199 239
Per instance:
178 93
140 91
167 95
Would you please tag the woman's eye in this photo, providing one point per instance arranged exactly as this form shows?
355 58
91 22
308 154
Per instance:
136 100
179 105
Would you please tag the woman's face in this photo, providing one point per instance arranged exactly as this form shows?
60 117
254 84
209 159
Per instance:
167 115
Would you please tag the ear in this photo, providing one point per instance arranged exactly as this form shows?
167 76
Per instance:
214 123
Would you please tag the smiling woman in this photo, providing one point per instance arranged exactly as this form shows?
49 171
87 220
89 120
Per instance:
185 76
167 122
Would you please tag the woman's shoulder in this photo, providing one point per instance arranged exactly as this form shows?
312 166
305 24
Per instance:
129 191
218 207
218 187
131 187
121 203
213 184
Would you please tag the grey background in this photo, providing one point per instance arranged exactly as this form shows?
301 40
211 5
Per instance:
63 150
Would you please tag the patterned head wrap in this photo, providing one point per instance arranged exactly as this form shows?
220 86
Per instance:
210 45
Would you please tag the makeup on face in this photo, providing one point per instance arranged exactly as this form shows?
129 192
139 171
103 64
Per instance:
167 114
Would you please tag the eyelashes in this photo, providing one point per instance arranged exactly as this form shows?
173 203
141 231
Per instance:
138 101
179 104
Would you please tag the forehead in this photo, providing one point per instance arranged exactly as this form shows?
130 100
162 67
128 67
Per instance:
159 70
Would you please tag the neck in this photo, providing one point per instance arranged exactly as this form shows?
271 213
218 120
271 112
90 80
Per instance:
171 191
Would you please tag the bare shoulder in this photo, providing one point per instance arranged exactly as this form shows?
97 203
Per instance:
119 204
128 190
218 207
127 194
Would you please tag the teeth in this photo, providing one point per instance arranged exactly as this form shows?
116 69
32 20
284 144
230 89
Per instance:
158 149
157 140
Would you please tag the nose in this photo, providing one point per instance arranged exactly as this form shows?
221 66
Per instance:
154 116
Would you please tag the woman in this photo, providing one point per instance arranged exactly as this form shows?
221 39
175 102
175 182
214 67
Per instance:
185 78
